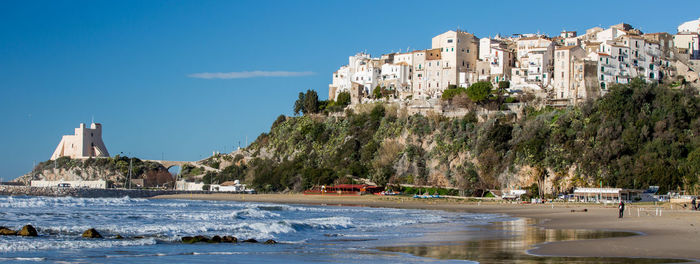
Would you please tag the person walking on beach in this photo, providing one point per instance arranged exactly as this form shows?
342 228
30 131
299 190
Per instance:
621 206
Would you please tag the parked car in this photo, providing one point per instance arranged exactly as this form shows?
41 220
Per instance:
64 185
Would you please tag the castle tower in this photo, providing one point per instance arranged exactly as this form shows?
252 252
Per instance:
86 143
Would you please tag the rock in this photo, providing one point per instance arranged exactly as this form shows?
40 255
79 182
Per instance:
202 239
139 237
118 237
4 231
189 240
251 240
229 239
28 230
270 242
215 239
91 233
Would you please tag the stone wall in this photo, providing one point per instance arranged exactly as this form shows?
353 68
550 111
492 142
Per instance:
85 192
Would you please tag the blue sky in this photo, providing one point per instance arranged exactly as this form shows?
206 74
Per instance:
142 68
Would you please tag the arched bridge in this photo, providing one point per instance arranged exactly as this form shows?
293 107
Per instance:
170 163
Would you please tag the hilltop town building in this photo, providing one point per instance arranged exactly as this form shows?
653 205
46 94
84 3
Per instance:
85 143
566 69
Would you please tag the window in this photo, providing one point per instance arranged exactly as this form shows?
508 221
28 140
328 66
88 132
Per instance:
449 41
602 68
453 49
467 50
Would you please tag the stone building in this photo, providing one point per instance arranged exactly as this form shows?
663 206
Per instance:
85 143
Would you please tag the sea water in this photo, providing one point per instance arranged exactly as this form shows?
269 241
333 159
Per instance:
152 230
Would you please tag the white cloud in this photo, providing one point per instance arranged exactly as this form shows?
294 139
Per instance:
248 74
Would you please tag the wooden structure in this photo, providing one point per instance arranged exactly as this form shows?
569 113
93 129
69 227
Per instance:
344 190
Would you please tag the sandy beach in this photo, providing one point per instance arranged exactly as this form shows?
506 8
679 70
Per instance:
675 233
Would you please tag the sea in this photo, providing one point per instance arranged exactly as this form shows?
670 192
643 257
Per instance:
152 232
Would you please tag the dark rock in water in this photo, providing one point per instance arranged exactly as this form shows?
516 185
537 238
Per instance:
251 240
215 239
139 237
229 239
28 230
270 242
91 233
189 240
202 239
4 231
118 237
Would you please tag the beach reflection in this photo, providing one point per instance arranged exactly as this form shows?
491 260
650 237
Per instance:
516 237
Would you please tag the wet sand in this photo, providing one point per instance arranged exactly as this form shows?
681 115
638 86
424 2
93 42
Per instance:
673 234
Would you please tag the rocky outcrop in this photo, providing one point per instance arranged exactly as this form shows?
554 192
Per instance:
28 230
188 240
250 240
4 231
229 239
91 233
215 239
270 242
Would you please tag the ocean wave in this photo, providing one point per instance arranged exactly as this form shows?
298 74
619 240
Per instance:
51 244
36 202
22 259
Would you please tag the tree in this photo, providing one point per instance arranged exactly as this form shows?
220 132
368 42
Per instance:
310 102
343 99
307 103
479 91
299 104
452 92
377 92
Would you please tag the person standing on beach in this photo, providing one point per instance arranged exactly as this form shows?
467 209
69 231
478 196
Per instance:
693 204
622 209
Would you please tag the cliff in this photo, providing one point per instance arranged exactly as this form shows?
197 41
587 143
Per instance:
635 136
114 170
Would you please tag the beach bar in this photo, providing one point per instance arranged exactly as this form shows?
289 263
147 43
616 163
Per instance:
606 194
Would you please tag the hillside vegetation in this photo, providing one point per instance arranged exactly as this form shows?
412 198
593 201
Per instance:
637 135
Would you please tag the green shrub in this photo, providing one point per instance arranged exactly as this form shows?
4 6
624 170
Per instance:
479 91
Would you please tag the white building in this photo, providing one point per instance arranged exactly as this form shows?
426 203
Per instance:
535 63
85 143
565 86
497 60
688 43
98 184
692 26
396 77
458 56
362 72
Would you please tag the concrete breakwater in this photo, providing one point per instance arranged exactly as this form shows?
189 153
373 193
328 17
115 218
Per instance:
86 192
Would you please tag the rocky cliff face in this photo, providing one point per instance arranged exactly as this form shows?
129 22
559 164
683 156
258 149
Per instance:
113 170
72 174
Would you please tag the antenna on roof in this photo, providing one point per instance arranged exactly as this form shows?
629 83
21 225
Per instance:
93 119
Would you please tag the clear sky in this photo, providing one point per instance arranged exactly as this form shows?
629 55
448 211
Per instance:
147 70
